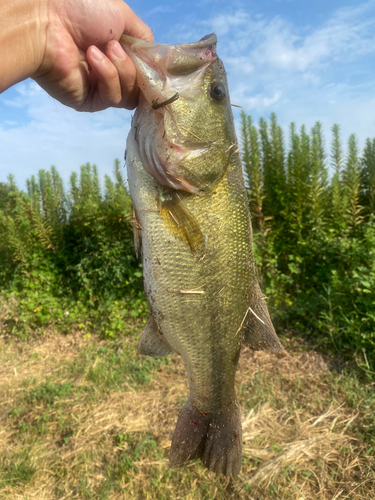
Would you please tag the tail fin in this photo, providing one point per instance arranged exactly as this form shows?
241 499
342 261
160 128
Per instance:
215 438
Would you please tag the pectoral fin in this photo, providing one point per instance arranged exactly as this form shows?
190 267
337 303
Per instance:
181 222
259 333
151 343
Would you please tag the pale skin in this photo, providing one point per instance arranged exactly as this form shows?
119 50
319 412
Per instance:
70 48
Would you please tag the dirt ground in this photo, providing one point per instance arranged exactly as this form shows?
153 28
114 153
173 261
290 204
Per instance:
86 418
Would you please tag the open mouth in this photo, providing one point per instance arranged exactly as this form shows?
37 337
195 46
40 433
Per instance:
166 75
160 61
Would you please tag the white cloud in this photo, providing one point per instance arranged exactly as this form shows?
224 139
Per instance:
303 72
15 103
161 9
57 135
276 43
258 102
223 23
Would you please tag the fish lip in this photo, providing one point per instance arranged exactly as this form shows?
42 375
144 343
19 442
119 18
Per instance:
205 41
131 40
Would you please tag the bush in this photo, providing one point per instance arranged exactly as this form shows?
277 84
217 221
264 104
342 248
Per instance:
314 235
67 260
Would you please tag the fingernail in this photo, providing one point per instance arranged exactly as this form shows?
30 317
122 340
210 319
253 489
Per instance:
97 54
118 51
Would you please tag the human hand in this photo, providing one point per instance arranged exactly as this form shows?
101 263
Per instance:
74 70
70 48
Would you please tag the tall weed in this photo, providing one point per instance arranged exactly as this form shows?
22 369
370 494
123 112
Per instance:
67 258
316 260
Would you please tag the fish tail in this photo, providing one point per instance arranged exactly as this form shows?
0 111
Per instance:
215 438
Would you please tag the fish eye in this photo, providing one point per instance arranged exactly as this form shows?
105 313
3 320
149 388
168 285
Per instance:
217 91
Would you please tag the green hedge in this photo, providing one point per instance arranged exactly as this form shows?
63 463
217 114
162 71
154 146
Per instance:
67 258
313 216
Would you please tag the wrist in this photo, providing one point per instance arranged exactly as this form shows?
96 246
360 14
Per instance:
23 25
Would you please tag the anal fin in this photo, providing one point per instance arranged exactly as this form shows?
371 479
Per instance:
151 343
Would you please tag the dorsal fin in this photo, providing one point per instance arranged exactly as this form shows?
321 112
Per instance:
259 333
137 232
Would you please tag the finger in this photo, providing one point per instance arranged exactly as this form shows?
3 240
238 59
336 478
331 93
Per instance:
134 26
126 72
107 91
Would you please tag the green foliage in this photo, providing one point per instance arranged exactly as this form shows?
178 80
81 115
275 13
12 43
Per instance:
116 367
47 393
67 258
251 163
351 178
16 469
337 155
133 448
316 260
4 190
368 176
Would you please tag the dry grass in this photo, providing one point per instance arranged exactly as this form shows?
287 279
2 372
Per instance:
303 437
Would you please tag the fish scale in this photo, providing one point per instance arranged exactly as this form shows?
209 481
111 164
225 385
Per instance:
196 242
182 270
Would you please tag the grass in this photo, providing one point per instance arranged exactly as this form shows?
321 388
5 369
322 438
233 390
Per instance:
17 469
86 418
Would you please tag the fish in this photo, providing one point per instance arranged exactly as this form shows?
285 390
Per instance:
192 228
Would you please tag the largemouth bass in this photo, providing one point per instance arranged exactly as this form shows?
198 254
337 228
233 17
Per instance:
192 227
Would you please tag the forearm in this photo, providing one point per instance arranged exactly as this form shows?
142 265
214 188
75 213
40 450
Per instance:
22 39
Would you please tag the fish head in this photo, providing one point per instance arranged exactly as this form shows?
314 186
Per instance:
184 120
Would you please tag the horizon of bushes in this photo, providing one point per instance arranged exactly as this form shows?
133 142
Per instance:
314 234
67 254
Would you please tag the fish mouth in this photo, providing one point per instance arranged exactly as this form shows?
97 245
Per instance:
175 60
167 75
163 69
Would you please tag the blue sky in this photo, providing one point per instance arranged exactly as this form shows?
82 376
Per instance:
305 60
